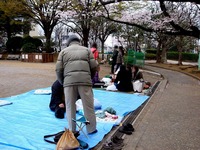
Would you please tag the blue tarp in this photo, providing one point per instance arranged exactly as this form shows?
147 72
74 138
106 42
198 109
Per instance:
24 123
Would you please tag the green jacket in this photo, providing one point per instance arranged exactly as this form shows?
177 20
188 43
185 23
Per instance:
75 66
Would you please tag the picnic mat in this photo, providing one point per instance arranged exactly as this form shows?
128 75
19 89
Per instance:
28 119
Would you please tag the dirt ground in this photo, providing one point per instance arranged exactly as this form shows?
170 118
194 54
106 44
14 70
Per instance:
18 77
188 69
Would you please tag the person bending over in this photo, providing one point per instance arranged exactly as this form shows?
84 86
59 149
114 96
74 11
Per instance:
57 103
75 69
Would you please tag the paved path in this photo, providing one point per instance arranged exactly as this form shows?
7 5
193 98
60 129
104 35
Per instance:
173 62
171 120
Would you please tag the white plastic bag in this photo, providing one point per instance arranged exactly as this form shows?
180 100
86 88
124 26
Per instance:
79 104
111 88
106 80
138 86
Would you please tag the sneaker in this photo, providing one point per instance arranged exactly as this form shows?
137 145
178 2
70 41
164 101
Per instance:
112 146
107 146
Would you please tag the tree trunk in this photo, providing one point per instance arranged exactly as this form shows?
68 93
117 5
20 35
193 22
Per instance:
164 53
8 28
85 37
102 49
158 53
180 49
8 31
48 41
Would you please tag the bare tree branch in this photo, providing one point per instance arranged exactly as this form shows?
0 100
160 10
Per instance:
114 1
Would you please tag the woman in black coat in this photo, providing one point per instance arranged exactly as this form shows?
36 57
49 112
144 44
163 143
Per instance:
123 80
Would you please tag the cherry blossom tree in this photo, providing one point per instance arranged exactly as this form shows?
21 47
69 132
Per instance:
169 18
81 14
163 20
104 28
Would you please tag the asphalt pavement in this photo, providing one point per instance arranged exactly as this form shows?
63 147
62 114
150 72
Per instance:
171 119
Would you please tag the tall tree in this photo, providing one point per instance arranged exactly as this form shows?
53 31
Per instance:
11 21
80 15
46 13
102 28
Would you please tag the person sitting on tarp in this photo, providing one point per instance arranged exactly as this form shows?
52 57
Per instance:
137 75
57 103
96 81
123 81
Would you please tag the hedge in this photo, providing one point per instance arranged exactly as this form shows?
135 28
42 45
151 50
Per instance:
29 48
174 56
149 56
151 51
185 56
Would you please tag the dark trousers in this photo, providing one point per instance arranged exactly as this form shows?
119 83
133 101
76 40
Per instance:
113 67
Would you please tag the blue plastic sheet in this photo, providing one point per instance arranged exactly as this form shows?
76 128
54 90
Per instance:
24 123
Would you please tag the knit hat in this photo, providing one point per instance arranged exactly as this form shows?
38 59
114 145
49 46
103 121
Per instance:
72 38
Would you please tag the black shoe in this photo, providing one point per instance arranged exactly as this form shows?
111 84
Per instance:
124 130
76 133
129 127
115 139
60 113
